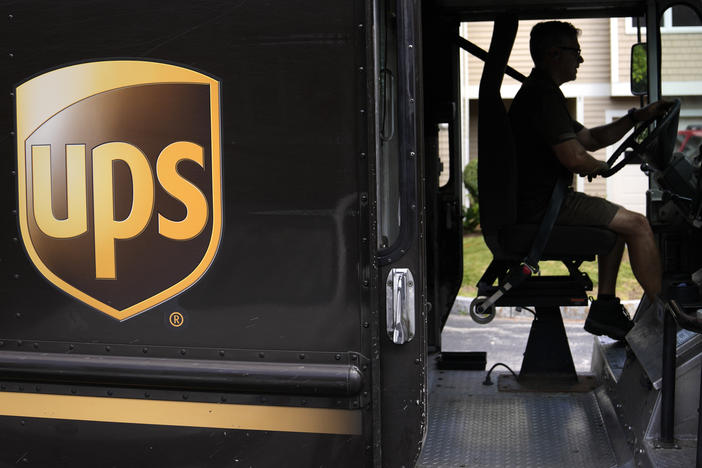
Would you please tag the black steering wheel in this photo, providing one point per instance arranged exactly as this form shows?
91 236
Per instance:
665 124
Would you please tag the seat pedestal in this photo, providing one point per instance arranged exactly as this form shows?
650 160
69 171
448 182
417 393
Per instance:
547 354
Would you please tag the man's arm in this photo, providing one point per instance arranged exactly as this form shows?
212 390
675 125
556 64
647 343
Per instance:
576 159
605 135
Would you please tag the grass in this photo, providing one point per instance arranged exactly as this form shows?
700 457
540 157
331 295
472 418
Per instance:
476 257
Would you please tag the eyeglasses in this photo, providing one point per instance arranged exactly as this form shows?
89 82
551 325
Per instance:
574 49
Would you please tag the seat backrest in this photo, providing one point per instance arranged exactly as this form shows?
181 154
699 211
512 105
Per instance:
497 166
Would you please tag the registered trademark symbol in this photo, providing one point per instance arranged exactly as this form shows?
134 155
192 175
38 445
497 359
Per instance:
176 319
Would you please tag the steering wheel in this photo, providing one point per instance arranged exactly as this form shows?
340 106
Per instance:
664 127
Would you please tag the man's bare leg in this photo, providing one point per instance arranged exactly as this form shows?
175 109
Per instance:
643 253
608 268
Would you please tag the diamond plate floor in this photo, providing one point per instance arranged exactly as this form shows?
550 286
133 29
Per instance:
472 425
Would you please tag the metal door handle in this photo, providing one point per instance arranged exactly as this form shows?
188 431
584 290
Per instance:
399 305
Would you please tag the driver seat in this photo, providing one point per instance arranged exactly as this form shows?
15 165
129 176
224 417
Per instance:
510 241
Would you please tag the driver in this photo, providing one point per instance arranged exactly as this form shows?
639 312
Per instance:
550 144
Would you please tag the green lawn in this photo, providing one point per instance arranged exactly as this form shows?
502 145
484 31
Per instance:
476 258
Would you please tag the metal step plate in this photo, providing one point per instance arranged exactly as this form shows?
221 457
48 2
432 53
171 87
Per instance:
471 425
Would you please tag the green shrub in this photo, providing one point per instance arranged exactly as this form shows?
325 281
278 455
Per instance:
471 214
471 218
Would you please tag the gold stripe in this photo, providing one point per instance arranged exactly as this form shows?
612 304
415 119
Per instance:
181 413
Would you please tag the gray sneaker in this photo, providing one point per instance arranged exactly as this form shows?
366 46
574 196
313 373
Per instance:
608 317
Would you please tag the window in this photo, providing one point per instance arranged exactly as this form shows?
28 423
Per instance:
679 19
387 143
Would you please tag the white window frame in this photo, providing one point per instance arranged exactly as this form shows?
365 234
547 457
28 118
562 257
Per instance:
666 25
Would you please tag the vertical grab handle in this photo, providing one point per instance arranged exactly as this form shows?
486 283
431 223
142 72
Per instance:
399 305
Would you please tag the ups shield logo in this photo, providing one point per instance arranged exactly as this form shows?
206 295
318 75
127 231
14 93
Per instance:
120 197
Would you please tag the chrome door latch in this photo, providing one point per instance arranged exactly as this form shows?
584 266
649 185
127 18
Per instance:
399 305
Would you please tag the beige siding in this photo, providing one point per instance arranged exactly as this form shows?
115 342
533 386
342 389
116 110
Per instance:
594 42
682 57
625 42
444 155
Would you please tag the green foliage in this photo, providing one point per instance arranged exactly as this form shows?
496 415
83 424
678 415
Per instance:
470 179
471 218
471 214
639 66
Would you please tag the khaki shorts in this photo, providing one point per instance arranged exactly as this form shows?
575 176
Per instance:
579 209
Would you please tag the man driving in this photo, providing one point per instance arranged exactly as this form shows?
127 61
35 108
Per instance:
550 144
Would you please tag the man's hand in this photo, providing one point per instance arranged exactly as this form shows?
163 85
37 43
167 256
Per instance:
651 111
598 170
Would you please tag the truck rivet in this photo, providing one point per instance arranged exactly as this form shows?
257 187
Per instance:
363 155
71 347
182 352
19 342
360 25
412 154
2 343
355 404
221 352
185 397
37 388
417 361
147 395
36 345
366 324
360 68
10 17
302 356
354 357
365 283
261 355
365 367
411 46
16 276
74 391
107 348
338 357
11 55
144 350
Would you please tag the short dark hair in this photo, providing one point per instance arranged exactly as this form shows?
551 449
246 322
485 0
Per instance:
547 34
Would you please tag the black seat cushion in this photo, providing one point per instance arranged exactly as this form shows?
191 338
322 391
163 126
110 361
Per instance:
572 242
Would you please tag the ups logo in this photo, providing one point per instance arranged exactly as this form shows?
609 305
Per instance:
120 197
